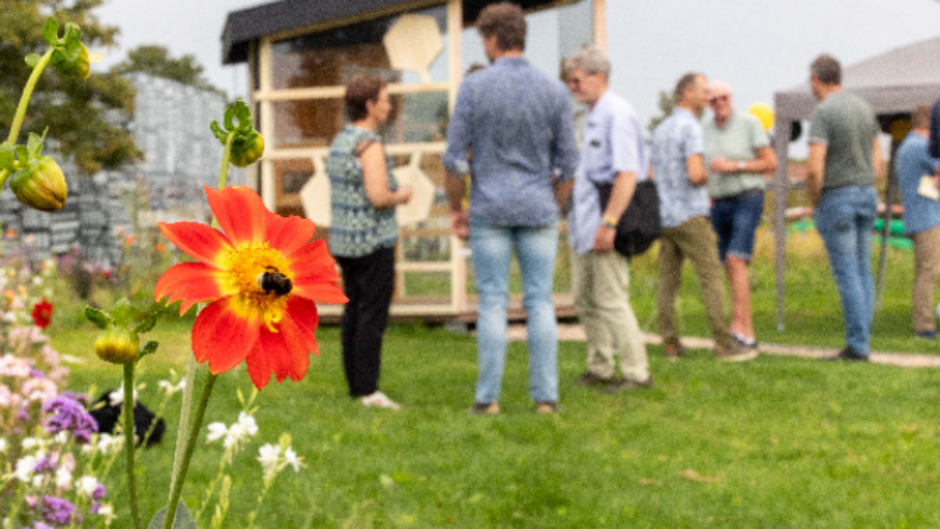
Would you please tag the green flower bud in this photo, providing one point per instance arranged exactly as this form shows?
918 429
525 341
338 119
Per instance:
246 151
43 187
78 66
118 346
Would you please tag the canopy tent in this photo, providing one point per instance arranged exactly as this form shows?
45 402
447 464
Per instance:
893 83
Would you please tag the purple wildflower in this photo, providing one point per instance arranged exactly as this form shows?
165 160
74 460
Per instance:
95 507
45 464
58 511
99 492
69 415
40 525
36 373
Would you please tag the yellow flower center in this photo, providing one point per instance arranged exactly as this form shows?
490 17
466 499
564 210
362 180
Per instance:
247 263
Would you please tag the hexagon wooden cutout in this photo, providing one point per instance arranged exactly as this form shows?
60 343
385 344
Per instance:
413 43
315 195
417 209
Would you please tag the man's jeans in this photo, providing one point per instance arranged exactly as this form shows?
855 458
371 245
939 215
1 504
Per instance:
536 249
845 218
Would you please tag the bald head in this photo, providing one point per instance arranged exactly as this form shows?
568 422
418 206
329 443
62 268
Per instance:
719 98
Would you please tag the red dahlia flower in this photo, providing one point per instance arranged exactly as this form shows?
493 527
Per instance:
42 314
262 277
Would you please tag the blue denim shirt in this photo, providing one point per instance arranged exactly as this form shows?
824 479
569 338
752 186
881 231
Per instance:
911 162
613 143
519 124
675 139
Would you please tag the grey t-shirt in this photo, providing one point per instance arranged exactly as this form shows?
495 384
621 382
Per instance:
847 125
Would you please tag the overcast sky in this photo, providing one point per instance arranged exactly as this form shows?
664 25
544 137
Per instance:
758 46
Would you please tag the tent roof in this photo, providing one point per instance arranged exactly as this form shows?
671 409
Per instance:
246 25
893 82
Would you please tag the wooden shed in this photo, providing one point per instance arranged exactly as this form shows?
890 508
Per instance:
301 53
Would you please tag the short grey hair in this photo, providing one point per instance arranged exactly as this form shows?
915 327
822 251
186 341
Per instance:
590 60
827 69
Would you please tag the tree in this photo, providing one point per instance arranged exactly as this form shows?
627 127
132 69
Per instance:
666 104
83 115
156 61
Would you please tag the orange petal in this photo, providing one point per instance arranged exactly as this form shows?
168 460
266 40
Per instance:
286 351
315 289
224 333
304 313
240 212
190 282
258 368
198 240
288 233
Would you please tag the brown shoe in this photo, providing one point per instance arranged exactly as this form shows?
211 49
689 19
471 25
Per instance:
484 408
591 380
546 408
735 353
673 351
625 384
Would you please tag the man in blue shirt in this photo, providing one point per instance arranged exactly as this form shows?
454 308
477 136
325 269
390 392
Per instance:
612 152
679 171
519 124
921 219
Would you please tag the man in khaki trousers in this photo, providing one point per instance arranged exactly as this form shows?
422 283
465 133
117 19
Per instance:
612 155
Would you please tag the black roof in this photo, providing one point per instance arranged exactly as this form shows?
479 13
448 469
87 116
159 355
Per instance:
246 25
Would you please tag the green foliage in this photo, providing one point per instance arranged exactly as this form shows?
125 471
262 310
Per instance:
73 109
666 104
156 61
248 144
183 520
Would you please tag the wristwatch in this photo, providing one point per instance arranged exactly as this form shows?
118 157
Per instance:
741 166
608 221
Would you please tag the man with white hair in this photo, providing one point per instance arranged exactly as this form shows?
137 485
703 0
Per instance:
737 154
612 154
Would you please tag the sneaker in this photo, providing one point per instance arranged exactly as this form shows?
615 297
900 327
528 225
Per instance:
590 379
380 400
848 355
546 408
926 335
747 343
484 408
673 351
624 384
735 353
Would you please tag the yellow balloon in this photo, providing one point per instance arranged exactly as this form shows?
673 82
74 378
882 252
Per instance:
764 113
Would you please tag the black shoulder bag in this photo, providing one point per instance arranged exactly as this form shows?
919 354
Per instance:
639 226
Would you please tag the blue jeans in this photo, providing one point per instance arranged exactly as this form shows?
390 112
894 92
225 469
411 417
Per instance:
845 218
735 220
536 249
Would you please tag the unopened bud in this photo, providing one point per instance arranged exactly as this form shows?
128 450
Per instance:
118 346
43 188
78 67
246 152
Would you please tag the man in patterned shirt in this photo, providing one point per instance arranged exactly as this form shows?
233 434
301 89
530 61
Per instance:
679 171
519 123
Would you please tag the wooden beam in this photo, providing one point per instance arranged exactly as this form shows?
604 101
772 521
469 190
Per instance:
600 24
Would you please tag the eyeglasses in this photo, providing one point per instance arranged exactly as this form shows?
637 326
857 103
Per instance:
716 99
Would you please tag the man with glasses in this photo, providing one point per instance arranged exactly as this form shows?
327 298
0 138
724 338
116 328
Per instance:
679 171
737 154
844 161
612 154
518 122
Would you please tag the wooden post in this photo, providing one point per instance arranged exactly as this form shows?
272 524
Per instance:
600 24
458 257
268 189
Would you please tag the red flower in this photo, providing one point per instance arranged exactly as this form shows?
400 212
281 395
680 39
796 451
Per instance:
42 314
262 277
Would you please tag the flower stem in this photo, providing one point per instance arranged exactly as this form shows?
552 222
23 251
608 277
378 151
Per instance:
226 157
177 489
21 109
182 431
129 444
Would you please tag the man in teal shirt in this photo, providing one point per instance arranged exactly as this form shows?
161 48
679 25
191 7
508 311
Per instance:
844 160
737 154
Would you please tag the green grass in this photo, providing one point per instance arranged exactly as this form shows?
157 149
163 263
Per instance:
777 442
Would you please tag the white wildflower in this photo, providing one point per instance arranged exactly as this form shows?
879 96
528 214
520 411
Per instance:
24 468
169 388
108 443
61 437
117 397
217 431
63 478
106 511
3 445
291 458
87 485
270 459
234 435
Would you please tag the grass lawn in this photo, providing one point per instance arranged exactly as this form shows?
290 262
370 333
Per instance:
777 442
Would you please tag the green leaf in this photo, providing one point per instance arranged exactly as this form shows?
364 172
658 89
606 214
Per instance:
218 132
32 60
50 33
7 158
100 318
148 349
184 520
243 115
35 143
146 325
123 312
22 155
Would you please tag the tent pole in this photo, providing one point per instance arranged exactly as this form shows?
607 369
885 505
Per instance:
890 195
781 189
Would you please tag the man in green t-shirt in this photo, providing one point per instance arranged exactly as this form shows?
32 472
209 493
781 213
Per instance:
737 155
844 160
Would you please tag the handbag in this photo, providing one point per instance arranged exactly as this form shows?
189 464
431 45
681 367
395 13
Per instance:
640 225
